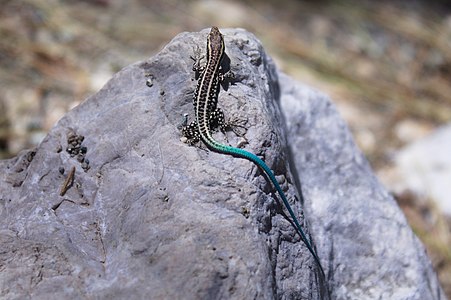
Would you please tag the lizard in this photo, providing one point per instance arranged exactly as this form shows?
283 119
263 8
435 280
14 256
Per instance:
209 116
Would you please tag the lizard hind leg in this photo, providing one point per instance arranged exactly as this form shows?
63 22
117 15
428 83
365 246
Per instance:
237 126
190 131
217 120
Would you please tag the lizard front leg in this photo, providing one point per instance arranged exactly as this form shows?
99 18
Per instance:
197 57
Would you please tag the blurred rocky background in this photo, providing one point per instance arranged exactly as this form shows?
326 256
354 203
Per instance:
386 64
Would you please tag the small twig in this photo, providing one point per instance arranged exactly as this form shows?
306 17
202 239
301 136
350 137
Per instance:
68 182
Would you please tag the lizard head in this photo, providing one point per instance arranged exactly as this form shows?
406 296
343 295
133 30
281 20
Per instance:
215 40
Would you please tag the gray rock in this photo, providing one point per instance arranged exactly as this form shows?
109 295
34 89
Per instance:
147 216
371 251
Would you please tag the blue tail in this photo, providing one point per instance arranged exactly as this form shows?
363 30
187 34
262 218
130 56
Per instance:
262 165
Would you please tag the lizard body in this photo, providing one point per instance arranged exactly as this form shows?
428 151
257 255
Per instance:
209 116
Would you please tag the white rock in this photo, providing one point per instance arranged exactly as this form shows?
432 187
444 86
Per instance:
425 167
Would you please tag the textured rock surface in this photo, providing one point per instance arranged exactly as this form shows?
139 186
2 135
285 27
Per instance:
155 218
371 251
